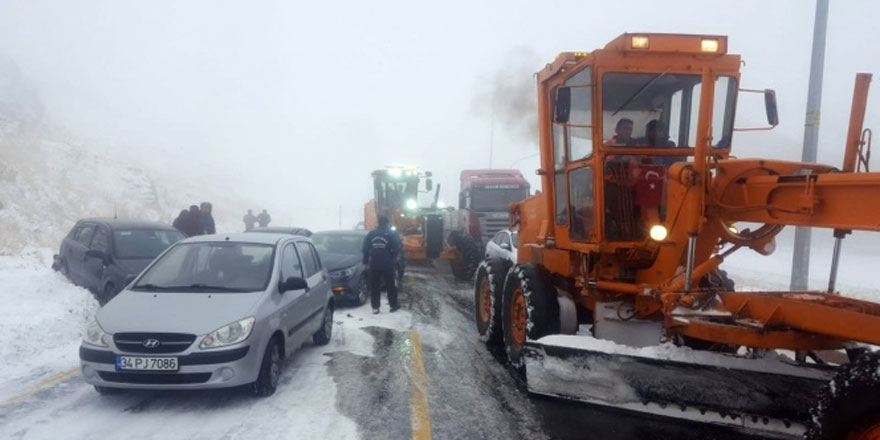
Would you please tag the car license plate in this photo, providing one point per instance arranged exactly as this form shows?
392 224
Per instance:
146 363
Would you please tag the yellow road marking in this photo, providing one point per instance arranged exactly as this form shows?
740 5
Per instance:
44 384
421 420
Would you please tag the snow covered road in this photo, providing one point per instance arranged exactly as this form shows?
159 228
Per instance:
363 385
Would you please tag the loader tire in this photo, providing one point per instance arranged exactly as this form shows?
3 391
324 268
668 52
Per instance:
488 290
849 407
465 266
530 309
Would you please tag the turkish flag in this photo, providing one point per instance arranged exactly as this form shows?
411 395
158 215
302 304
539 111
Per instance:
649 185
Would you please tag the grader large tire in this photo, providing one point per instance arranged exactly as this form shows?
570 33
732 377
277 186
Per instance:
530 309
464 267
488 290
849 407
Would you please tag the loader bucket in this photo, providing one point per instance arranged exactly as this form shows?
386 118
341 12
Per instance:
771 394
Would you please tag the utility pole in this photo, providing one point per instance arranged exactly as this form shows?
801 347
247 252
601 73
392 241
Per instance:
800 267
491 130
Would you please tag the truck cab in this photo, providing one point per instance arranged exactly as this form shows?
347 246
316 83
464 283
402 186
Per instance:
484 200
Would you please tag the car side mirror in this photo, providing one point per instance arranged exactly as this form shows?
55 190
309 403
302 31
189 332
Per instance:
292 283
563 105
770 106
505 246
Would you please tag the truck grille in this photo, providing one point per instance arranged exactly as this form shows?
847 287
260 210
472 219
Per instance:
168 342
155 378
491 226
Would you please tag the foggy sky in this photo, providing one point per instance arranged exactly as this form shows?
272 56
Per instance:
297 102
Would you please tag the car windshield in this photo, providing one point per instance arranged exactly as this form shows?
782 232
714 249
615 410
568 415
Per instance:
211 266
496 199
348 244
143 243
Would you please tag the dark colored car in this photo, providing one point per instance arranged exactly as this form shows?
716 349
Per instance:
292 230
341 252
103 255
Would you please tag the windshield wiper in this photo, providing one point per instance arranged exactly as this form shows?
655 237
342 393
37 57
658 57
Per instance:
204 286
639 92
149 287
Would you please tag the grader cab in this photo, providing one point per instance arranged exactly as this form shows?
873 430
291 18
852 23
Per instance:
618 297
397 191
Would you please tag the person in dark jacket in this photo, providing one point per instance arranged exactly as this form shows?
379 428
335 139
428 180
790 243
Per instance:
192 223
207 219
249 220
263 219
180 222
381 249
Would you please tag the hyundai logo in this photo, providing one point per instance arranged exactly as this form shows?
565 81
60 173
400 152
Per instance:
151 343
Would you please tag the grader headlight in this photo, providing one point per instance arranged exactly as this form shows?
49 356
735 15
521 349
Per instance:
411 204
639 42
709 45
658 232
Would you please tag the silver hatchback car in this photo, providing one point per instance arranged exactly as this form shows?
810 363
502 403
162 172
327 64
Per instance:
212 311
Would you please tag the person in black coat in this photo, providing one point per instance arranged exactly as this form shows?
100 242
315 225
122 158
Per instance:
381 249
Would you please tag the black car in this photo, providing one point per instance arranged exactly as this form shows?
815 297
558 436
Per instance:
341 253
103 254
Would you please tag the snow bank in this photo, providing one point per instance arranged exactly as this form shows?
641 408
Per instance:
41 318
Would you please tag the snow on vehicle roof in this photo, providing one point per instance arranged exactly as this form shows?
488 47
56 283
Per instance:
128 223
241 237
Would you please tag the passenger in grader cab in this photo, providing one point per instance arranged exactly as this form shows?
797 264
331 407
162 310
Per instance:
655 135
623 133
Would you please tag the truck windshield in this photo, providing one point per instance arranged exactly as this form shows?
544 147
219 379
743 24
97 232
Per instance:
211 266
143 243
496 199
661 110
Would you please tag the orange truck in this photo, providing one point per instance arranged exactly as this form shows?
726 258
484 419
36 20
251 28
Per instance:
618 297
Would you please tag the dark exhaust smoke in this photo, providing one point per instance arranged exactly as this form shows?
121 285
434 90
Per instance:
508 98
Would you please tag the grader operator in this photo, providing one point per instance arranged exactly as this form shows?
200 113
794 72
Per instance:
618 298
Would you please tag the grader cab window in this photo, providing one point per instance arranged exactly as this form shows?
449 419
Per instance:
638 109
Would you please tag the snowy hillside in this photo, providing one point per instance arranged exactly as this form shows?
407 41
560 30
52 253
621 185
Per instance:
49 177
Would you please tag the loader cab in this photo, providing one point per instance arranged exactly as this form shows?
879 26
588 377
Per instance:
619 118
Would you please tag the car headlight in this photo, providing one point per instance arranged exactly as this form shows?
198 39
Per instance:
229 334
342 273
95 335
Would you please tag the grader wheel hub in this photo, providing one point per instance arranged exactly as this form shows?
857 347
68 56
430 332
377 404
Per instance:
518 317
485 300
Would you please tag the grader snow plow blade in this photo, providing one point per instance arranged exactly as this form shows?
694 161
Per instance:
770 395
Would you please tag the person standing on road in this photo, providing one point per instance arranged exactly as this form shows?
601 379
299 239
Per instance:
207 219
192 223
381 248
180 222
263 219
249 220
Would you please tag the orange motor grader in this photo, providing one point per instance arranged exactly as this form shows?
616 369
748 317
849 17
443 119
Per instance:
618 297
396 192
